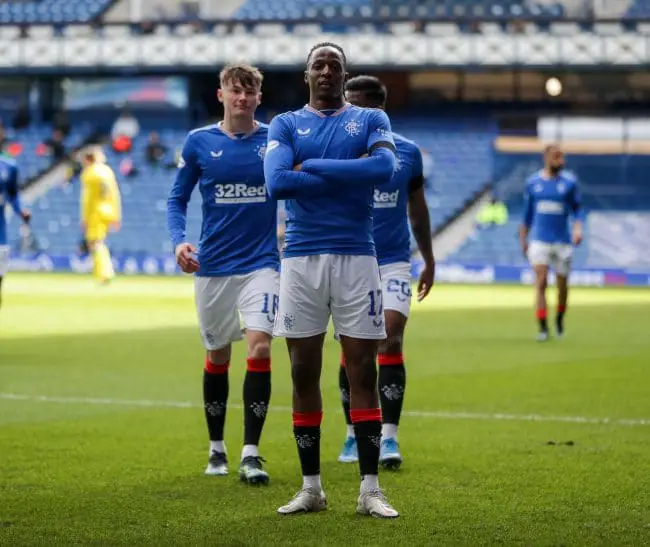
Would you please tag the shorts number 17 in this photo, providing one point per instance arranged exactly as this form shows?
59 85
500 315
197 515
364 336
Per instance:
376 303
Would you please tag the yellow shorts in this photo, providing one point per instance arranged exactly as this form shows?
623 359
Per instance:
97 231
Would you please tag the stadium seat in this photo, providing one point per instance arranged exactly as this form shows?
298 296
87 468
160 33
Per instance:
51 11
449 144
614 186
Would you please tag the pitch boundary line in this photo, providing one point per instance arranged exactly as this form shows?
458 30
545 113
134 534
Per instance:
442 415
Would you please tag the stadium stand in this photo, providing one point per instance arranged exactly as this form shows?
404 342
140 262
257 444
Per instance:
26 145
52 11
301 9
638 8
615 193
461 152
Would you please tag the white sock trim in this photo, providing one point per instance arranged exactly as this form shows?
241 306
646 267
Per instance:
388 431
217 446
369 482
249 450
312 481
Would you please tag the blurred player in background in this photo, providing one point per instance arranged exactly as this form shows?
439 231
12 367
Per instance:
8 195
329 265
551 197
237 264
395 203
101 210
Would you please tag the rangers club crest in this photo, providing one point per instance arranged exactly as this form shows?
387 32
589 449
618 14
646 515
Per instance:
352 128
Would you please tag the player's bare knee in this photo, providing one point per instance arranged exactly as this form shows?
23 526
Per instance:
219 356
392 345
259 346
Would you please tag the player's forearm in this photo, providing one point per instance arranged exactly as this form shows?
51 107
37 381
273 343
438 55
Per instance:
14 201
285 184
374 170
176 219
421 228
523 234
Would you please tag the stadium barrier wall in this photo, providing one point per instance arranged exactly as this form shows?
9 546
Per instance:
445 272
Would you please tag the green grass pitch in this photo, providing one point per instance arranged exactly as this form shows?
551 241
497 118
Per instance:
102 439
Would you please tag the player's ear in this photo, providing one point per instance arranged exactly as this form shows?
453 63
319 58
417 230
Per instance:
259 98
220 95
306 77
346 77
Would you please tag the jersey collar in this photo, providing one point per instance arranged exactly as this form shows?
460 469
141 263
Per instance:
219 126
318 113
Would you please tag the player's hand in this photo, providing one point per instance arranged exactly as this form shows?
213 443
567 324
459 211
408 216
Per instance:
26 216
297 167
184 258
427 278
115 226
366 155
524 249
577 234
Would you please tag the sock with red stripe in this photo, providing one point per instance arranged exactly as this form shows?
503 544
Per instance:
559 319
257 394
344 388
215 398
367 428
392 384
306 430
541 318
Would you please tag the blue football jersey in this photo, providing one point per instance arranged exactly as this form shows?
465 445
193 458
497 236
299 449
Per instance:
390 207
339 220
548 205
239 225
8 193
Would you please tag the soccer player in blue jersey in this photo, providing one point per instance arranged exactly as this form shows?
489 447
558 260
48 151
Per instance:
395 203
236 269
550 199
8 195
315 161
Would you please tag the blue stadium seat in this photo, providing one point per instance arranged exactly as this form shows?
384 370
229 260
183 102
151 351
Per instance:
461 151
51 11
608 184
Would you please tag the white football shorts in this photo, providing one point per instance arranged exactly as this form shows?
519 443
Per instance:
346 287
220 301
556 255
396 286
4 260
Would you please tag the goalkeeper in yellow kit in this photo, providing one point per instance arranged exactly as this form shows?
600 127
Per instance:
101 209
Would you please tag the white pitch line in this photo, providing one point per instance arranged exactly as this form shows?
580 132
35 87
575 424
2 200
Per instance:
414 413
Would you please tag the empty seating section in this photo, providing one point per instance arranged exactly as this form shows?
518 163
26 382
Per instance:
301 9
609 185
51 11
461 152
639 8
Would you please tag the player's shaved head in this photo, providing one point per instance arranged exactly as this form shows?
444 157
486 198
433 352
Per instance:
366 91
245 75
553 158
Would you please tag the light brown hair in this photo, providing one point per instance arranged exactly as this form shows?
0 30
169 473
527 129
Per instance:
246 75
